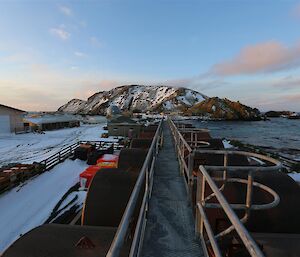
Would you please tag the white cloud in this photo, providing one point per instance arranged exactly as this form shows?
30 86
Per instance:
60 32
65 10
83 24
80 54
95 42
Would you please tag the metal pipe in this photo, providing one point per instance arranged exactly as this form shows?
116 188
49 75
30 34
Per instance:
277 164
248 241
209 232
231 228
249 193
224 178
136 238
274 203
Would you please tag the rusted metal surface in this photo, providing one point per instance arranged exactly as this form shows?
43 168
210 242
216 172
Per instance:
278 245
132 159
140 143
107 197
61 240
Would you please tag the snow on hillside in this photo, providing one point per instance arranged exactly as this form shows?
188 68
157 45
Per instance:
74 105
136 98
27 148
30 205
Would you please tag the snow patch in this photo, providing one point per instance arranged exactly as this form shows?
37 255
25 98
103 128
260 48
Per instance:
295 176
227 144
30 205
27 148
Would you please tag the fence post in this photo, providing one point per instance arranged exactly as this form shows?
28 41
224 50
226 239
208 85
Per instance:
45 163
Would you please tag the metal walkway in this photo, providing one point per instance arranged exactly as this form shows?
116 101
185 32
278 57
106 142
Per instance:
170 225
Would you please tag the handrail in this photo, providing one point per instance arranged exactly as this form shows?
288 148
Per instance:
120 235
277 165
203 177
248 241
183 150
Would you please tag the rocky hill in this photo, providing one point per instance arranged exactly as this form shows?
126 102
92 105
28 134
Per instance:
277 114
157 99
216 108
137 98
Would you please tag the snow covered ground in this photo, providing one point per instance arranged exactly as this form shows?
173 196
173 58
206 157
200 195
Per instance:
30 205
27 148
295 176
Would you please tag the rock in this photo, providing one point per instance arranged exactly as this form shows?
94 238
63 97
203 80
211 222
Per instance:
224 109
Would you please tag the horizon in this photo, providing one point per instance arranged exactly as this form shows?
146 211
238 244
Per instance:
54 51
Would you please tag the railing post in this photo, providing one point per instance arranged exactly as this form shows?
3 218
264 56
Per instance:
191 175
161 139
225 168
249 193
147 183
199 199
181 154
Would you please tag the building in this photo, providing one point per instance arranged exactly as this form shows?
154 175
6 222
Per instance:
51 122
123 126
11 119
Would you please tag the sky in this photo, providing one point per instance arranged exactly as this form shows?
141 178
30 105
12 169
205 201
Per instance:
53 51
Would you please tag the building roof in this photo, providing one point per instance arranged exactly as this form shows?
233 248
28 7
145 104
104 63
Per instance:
46 119
122 119
12 108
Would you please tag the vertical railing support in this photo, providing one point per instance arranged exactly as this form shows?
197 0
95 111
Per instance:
249 193
191 175
199 200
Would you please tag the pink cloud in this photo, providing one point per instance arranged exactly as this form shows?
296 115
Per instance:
290 82
294 97
91 87
264 57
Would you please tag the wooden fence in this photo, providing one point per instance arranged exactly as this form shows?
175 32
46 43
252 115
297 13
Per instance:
68 151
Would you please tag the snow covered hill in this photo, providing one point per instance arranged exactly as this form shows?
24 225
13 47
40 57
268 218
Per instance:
157 99
136 98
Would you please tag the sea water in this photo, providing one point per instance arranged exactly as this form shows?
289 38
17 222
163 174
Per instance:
278 135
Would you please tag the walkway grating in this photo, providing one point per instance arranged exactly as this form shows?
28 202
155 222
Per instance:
170 225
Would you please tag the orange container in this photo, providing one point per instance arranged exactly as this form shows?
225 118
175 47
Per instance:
108 161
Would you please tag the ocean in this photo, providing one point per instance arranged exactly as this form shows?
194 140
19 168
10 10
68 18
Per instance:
277 135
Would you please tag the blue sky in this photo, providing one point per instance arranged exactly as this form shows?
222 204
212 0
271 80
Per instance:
53 51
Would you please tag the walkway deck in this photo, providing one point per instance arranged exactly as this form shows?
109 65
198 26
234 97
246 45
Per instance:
170 224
